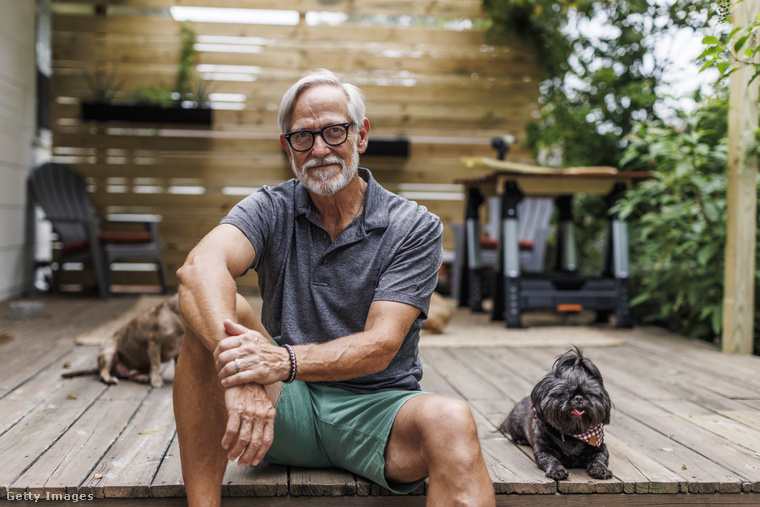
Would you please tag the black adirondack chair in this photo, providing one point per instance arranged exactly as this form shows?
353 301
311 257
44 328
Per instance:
62 194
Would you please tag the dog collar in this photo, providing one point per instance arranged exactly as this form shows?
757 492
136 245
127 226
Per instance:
593 437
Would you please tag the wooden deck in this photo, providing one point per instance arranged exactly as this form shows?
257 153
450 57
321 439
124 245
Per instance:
685 429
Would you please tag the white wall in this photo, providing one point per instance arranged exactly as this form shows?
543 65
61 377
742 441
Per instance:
17 137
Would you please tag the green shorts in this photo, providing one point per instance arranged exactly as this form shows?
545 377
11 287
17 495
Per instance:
319 426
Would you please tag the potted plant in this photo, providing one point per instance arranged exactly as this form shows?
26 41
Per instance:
186 103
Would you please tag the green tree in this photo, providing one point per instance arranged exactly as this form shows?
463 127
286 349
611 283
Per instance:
597 82
739 46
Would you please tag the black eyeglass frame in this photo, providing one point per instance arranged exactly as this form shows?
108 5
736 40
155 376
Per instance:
320 132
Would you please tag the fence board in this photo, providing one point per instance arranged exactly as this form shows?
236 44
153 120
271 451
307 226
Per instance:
451 8
447 90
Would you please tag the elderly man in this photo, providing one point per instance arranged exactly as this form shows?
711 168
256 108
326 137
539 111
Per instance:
328 376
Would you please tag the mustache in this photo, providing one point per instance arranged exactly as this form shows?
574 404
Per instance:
330 160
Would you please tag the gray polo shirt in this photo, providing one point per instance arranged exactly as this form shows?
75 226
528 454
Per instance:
314 290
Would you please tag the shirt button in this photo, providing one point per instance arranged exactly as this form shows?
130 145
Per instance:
324 235
324 261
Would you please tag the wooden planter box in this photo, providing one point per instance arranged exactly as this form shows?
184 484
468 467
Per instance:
141 113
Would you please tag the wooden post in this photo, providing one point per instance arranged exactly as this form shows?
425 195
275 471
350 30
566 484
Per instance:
738 296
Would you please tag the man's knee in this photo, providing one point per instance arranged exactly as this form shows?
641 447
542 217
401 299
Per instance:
447 423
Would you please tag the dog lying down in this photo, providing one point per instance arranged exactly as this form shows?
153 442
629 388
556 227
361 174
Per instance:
563 417
137 350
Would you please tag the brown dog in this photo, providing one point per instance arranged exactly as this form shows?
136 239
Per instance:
136 350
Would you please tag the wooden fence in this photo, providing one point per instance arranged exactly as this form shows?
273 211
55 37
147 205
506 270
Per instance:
429 74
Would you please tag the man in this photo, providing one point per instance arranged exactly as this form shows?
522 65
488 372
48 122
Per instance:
346 270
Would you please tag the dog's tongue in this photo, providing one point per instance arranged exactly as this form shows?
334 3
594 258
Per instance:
575 412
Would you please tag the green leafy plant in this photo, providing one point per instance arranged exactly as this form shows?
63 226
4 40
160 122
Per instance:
189 88
159 95
677 221
184 84
596 83
740 46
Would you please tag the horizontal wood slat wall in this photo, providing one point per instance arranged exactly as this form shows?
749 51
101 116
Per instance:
446 90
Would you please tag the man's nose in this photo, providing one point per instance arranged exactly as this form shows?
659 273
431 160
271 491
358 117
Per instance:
320 148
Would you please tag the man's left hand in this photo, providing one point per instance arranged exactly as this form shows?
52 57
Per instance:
259 360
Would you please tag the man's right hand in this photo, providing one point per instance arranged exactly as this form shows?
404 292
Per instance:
250 424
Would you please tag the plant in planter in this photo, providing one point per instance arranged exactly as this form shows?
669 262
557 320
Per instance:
186 103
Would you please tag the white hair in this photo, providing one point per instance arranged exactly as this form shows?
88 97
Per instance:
356 101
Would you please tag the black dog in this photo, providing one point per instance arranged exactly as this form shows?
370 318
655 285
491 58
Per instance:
563 417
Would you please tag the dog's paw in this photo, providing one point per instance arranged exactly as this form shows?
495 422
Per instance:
599 472
520 441
156 382
108 379
557 473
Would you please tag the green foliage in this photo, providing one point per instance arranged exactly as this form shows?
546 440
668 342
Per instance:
739 46
184 85
188 88
159 95
677 221
596 86
540 22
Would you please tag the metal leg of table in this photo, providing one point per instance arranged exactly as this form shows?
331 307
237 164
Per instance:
474 260
618 263
509 263
566 261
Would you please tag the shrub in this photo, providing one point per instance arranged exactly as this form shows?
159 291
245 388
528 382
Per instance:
677 222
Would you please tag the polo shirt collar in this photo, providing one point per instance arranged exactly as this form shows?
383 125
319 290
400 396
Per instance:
376 208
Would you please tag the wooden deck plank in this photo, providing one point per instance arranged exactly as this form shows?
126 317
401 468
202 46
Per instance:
168 480
321 482
674 449
128 468
468 378
512 471
68 463
717 423
24 398
22 444
262 480
47 339
685 428
545 356
706 374
714 475
699 357
638 472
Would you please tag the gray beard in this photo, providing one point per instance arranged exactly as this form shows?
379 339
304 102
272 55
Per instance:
326 183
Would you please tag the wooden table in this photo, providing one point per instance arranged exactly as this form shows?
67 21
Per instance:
563 289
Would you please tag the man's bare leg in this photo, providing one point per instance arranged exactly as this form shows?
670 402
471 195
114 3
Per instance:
201 415
437 436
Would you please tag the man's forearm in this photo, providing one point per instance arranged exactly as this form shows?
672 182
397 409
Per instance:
343 358
364 353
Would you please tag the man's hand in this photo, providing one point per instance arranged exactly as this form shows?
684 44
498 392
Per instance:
250 424
248 356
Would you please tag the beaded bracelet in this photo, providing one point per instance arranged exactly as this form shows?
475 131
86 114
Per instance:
292 375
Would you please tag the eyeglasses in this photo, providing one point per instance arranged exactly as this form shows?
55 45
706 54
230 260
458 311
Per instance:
334 135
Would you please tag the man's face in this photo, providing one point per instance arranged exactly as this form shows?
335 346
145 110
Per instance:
324 169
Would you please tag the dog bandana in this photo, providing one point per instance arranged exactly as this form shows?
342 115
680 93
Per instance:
593 437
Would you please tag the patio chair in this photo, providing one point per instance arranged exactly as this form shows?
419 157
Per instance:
62 194
534 216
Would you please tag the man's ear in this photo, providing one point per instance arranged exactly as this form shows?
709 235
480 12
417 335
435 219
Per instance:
363 136
286 147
